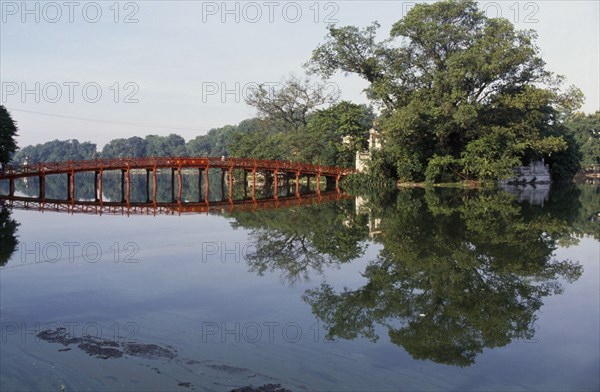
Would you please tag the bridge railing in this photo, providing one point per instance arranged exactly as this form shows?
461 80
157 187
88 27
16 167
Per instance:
173 162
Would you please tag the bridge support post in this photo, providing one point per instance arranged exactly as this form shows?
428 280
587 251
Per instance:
206 184
179 186
154 186
222 184
254 184
128 183
319 181
245 183
298 183
95 185
99 194
199 185
147 185
11 186
275 184
172 185
70 186
231 184
122 186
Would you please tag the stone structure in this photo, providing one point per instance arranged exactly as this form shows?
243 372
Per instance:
363 157
536 172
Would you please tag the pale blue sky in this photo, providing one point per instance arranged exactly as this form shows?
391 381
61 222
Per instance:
178 48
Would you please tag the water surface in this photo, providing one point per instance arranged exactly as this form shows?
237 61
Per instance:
411 290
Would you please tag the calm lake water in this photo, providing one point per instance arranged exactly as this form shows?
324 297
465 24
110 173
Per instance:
415 290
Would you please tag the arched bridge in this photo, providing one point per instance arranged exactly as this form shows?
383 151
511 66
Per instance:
274 171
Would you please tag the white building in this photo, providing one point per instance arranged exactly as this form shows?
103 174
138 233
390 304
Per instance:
363 157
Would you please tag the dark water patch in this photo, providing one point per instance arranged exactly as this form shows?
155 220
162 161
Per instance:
264 388
195 362
149 351
229 369
106 349
96 350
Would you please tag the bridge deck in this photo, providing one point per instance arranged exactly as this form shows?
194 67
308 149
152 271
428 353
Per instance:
151 163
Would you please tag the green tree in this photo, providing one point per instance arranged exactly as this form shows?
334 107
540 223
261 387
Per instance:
585 129
448 77
121 148
8 132
337 133
165 146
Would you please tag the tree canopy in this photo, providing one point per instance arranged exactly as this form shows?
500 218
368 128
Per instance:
457 90
585 129
8 132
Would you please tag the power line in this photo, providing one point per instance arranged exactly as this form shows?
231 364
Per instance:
107 121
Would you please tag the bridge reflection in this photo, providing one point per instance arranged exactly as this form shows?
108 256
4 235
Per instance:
157 208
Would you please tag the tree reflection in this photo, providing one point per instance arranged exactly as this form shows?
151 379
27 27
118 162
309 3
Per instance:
8 235
459 272
299 240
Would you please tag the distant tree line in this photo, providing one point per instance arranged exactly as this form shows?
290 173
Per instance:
215 143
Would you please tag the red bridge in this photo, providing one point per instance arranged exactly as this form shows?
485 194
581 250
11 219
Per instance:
277 170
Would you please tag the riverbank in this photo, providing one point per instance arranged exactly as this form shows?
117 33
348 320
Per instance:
460 185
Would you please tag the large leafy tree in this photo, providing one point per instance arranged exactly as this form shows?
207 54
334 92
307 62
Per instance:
8 132
453 84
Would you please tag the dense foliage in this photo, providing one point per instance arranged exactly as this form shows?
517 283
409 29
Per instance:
462 94
585 129
318 138
8 132
56 151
